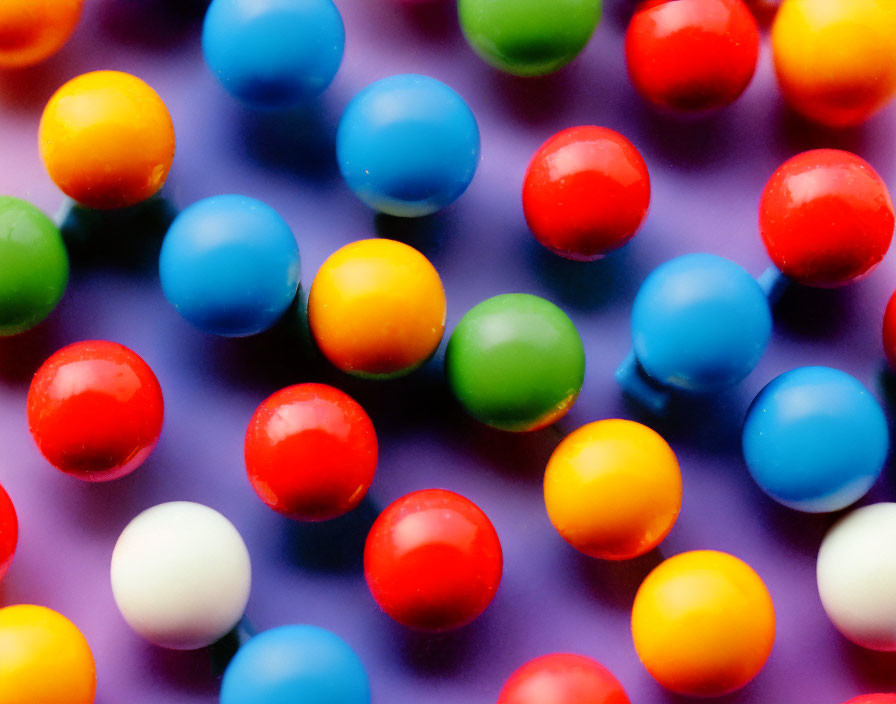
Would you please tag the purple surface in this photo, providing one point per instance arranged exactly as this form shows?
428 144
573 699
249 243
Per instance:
707 176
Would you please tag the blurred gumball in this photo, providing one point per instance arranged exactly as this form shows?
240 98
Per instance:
9 531
562 678
874 699
889 332
34 30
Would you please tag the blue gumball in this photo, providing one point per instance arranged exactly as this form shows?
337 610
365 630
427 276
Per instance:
295 664
230 265
815 439
408 145
273 53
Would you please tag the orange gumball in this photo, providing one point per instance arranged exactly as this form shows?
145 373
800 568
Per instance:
34 30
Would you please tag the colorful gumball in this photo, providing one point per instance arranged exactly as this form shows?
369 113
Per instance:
562 678
95 410
703 624
874 699
34 30
889 332
586 192
9 531
433 560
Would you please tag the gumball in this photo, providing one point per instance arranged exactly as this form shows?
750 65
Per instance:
292 664
613 489
181 575
44 658
528 37
874 699
826 218
33 266
408 145
95 410
586 192
9 531
889 331
562 678
703 623
515 362
311 452
230 265
34 30
815 439
433 560
273 53
377 308
691 55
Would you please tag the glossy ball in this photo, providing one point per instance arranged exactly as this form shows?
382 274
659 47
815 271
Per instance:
230 265
889 332
586 192
874 699
815 439
311 452
562 678
292 664
95 410
408 145
377 308
273 53
703 623
9 531
181 575
826 218
433 560
107 140
33 30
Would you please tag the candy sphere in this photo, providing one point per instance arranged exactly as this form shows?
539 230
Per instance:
311 452
528 37
33 266
230 265
815 439
9 531
874 699
826 218
95 410
34 30
586 192
377 308
408 145
44 658
181 575
703 623
292 664
889 331
273 53
433 560
562 678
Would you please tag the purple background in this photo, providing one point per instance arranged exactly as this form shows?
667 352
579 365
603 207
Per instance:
707 176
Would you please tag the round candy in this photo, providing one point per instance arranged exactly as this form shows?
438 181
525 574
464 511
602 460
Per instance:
273 53
377 308
562 678
408 145
692 55
181 575
34 30
703 623
826 218
815 439
230 265
874 699
95 410
311 452
586 192
293 664
889 331
33 266
9 531
433 560
107 140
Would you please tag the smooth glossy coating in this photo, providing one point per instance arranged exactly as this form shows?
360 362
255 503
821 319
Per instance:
826 218
692 55
33 30
703 623
408 145
95 410
9 531
586 192
433 560
889 332
874 699
310 452
562 678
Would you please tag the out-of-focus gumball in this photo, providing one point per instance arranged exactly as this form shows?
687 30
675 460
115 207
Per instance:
874 699
764 10
311 452
586 192
692 55
44 658
815 439
889 332
562 678
292 664
34 30
703 624
826 218
433 560
9 531
95 410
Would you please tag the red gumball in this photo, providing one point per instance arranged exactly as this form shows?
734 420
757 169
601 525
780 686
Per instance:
692 55
95 410
433 560
826 218
890 332
874 699
563 679
586 192
311 452
9 531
